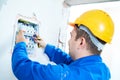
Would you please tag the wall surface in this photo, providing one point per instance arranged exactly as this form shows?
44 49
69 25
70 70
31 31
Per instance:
111 51
51 14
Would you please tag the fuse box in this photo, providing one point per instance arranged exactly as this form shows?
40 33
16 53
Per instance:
31 28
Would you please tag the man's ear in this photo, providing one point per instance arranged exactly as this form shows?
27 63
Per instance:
82 42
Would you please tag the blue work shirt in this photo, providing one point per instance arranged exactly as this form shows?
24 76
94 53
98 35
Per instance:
86 68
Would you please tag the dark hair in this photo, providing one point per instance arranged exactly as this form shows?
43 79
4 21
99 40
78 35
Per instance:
91 47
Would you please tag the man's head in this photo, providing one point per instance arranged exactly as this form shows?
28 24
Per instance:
93 28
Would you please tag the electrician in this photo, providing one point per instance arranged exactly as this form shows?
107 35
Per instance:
92 30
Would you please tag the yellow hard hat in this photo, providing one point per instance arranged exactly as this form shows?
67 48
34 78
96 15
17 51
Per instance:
98 22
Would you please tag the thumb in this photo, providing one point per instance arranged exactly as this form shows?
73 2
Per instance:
20 36
21 32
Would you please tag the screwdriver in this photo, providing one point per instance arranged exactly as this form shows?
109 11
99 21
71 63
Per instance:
38 38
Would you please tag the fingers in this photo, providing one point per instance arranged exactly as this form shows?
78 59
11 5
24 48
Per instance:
20 37
37 38
39 41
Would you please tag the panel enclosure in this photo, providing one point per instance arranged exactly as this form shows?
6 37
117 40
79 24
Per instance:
31 28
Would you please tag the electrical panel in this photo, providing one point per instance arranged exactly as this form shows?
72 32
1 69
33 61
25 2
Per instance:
31 28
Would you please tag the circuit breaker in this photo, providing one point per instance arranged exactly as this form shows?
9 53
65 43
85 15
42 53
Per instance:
31 28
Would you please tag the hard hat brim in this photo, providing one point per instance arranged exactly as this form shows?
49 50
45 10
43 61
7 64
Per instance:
71 24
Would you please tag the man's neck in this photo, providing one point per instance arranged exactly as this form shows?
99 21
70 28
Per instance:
82 54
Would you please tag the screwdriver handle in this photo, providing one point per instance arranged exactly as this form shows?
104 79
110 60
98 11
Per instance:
38 38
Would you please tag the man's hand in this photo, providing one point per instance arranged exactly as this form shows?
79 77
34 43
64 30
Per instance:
40 42
21 38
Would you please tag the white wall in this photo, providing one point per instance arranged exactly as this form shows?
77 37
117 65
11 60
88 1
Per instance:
111 53
52 15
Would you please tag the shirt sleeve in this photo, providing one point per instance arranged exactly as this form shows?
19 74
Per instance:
57 55
25 69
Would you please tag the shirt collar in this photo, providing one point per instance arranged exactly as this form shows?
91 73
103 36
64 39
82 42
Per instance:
87 60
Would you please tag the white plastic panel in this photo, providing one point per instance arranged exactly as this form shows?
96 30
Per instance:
31 29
